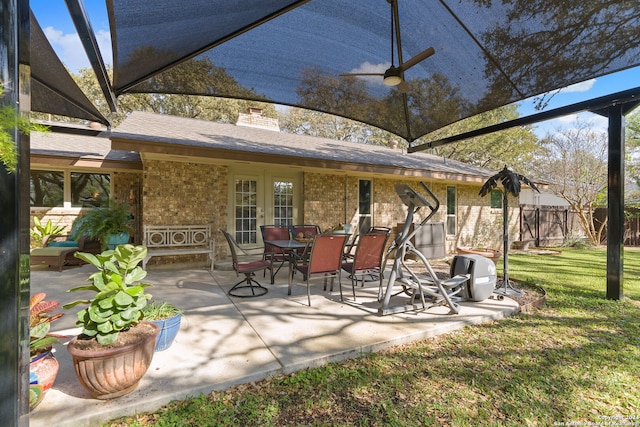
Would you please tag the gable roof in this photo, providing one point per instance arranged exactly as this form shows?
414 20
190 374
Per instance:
162 134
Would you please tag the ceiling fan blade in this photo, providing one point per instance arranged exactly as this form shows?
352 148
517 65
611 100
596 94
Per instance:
403 87
419 57
361 74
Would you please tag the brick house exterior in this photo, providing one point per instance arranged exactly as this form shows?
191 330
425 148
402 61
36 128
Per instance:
173 171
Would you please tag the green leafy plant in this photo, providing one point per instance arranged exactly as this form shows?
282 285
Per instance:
9 120
159 311
119 293
40 319
42 233
101 223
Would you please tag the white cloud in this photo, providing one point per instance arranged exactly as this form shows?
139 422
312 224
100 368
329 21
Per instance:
70 50
580 87
367 67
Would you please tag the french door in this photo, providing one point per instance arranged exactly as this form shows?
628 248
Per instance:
263 199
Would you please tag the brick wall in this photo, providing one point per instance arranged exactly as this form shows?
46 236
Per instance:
477 224
182 193
324 199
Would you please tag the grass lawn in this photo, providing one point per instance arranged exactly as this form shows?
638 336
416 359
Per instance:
575 362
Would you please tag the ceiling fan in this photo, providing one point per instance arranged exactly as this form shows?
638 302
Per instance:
394 76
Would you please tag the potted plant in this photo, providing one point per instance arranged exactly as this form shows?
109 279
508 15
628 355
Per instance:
43 366
168 317
41 233
110 225
115 347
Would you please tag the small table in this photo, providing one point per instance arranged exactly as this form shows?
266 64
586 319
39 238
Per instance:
287 246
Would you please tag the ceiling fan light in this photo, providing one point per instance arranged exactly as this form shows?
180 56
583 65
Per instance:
392 77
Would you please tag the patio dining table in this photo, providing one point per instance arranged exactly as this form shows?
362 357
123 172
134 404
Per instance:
287 247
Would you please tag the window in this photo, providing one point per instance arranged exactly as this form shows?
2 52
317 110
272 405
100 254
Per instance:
496 199
283 203
46 188
90 189
69 189
364 205
451 211
246 210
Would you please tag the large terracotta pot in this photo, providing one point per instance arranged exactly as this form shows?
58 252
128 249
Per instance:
113 372
168 330
43 370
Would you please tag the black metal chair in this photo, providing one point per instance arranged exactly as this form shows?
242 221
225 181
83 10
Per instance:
249 269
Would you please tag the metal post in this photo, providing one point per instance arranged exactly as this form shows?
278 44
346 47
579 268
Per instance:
14 212
615 223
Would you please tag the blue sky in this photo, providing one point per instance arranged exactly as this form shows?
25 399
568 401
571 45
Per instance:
53 17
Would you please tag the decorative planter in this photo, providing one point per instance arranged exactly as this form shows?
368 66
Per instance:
113 372
43 370
117 239
168 331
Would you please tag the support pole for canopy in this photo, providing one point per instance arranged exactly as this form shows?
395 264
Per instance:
615 223
14 213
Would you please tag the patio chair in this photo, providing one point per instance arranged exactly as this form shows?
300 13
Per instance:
378 229
367 260
72 240
60 256
248 268
374 229
276 256
324 261
307 230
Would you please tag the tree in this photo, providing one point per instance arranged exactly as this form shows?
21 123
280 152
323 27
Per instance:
308 122
201 73
511 184
576 167
516 146
632 133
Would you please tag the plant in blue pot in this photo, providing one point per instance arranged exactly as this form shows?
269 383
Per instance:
168 317
110 225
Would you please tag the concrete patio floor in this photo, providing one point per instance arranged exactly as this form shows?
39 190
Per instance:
224 341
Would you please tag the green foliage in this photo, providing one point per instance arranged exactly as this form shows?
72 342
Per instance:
160 311
100 223
9 120
516 146
199 74
119 295
40 319
39 232
577 242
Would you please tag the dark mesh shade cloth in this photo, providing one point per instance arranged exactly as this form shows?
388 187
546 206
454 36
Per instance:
488 53
53 90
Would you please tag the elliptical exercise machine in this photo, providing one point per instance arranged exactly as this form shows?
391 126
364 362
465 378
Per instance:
429 288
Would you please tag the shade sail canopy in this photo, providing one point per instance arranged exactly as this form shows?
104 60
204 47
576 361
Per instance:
53 90
488 53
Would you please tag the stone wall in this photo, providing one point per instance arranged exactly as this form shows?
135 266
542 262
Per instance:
183 193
